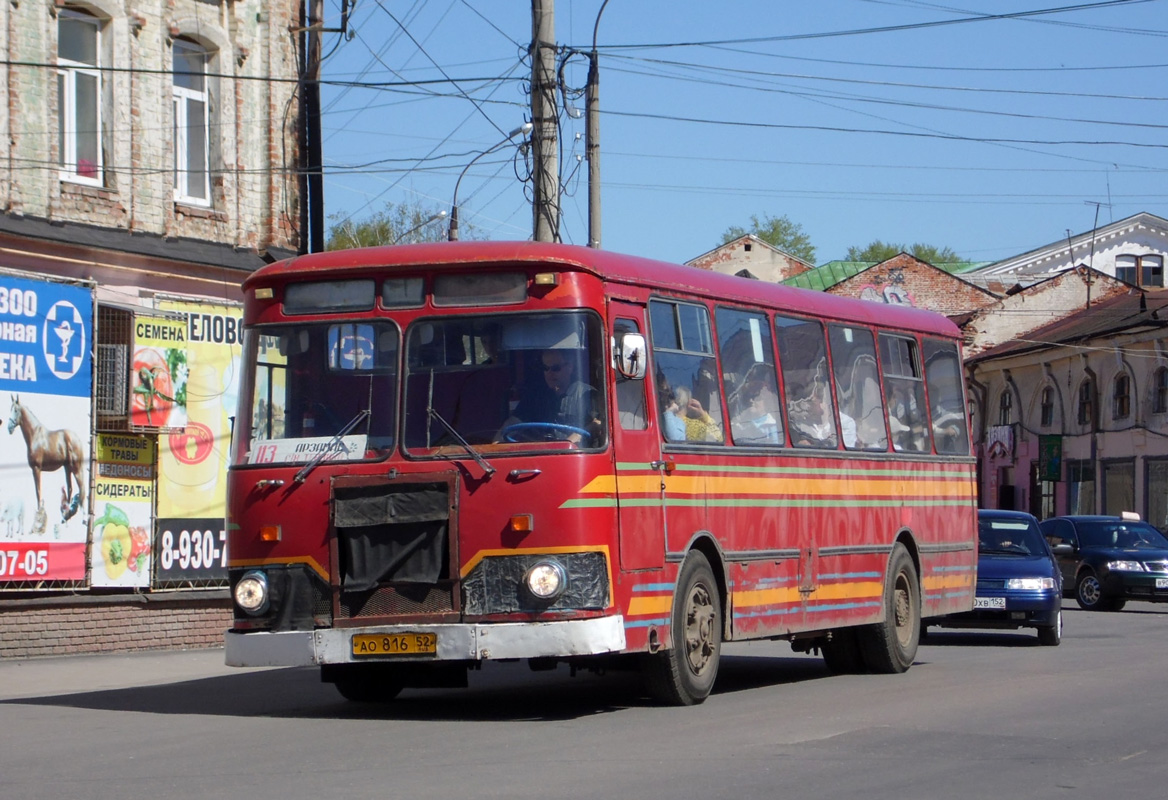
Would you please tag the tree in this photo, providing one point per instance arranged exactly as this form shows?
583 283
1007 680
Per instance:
779 232
397 223
882 251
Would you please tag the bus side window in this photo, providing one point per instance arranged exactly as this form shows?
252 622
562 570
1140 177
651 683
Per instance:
904 389
857 388
686 372
806 385
748 377
630 394
943 379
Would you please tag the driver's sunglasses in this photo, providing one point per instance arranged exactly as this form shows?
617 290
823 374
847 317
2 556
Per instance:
553 367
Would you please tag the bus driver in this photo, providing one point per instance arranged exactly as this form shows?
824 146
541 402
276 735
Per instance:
565 401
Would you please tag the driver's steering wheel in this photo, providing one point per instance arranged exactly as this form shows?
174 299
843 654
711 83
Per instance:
541 432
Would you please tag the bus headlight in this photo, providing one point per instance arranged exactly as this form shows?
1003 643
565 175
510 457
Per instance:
251 593
546 580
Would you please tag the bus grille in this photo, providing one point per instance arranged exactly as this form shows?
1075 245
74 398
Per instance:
390 601
393 550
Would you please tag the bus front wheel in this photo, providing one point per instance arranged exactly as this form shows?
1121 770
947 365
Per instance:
684 674
891 646
364 683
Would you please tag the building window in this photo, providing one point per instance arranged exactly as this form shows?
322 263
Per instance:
79 144
1005 407
1160 391
1156 493
1119 486
1121 397
1046 406
191 124
1080 487
1140 270
1086 403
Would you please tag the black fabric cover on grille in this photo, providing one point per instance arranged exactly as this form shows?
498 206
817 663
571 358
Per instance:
391 533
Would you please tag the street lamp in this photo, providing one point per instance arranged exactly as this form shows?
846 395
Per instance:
524 129
432 217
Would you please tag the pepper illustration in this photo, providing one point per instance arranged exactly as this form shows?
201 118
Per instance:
116 543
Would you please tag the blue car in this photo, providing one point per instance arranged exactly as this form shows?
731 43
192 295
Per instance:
1019 585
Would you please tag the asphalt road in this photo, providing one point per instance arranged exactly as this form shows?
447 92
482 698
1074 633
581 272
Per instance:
980 715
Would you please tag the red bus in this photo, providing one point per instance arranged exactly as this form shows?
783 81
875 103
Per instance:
452 453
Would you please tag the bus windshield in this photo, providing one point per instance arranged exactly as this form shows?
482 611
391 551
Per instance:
319 391
510 381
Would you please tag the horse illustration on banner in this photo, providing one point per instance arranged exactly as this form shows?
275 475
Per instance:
49 451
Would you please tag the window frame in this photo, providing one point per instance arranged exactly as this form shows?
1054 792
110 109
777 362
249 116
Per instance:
68 71
1121 396
1085 407
1006 407
1046 407
1160 390
181 99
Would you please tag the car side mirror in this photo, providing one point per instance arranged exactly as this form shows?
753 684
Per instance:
1064 549
630 356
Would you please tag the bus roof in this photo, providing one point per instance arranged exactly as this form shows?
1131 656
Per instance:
613 267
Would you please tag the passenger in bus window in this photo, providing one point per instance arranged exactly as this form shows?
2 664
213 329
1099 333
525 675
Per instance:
755 421
811 422
672 421
699 425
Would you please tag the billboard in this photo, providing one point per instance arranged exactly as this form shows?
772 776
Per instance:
123 507
46 385
190 544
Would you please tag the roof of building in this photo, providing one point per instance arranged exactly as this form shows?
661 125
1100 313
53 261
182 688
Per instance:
828 275
754 239
1131 310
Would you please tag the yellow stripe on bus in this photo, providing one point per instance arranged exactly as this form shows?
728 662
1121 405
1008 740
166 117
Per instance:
657 605
958 487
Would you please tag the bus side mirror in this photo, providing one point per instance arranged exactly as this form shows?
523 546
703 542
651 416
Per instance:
630 356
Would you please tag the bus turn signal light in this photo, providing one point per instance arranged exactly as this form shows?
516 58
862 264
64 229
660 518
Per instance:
270 533
522 523
547 279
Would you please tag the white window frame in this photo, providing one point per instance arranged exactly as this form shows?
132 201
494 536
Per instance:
181 97
68 72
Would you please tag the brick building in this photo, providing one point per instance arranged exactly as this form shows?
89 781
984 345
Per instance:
149 153
750 257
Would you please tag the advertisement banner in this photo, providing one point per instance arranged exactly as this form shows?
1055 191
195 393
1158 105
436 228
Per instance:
46 382
158 373
121 547
192 479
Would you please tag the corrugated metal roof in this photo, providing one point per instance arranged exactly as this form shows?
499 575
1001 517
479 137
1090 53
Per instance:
1135 309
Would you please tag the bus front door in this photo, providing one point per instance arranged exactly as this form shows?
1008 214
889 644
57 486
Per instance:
637 442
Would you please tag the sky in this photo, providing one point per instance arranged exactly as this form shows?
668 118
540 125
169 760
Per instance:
991 128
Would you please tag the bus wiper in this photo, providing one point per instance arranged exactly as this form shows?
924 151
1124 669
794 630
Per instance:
482 462
328 448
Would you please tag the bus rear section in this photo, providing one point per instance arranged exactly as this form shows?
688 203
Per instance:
451 454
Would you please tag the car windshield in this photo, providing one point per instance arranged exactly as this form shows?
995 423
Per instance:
1118 533
1005 536
504 383
317 391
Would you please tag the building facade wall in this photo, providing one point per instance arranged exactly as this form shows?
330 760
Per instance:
251 89
751 253
905 280
1009 441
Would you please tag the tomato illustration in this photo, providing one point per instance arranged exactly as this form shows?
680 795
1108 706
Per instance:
153 391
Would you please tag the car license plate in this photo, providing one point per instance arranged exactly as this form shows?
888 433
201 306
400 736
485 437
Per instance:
989 602
409 643
1162 583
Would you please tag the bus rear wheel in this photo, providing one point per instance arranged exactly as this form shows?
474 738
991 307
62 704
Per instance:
891 646
684 674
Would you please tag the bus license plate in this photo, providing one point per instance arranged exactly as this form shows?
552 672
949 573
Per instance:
989 602
410 643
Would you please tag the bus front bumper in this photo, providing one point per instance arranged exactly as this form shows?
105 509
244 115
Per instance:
459 642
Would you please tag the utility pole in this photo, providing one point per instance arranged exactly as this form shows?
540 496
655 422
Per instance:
312 112
545 139
592 136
